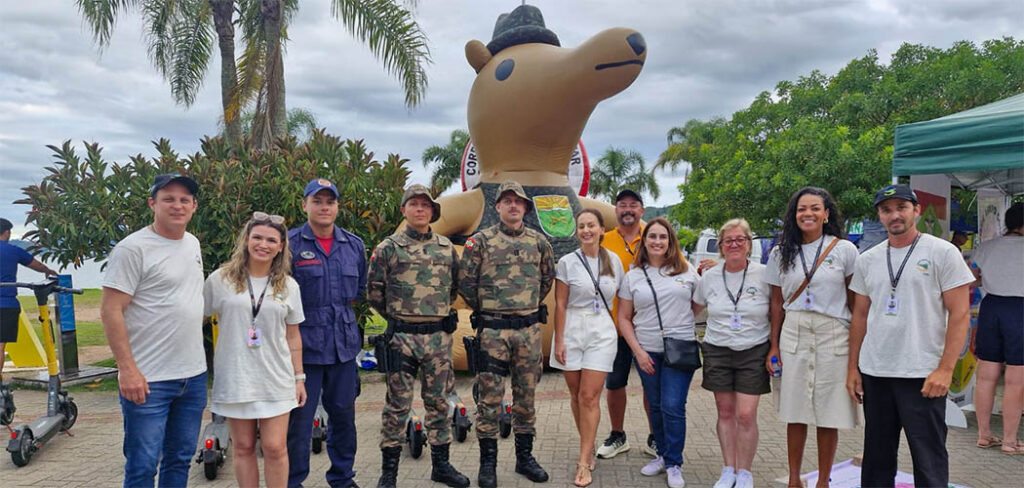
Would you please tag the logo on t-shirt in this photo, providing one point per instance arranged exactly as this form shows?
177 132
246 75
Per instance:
923 265
828 261
752 291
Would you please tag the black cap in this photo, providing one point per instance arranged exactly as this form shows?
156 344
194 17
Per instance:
163 180
523 25
895 191
628 193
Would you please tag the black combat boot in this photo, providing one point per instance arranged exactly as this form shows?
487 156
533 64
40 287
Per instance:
389 466
443 472
526 465
488 463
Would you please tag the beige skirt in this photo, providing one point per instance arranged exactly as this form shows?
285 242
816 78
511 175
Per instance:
815 349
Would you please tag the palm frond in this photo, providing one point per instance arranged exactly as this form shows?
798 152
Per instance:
193 38
100 16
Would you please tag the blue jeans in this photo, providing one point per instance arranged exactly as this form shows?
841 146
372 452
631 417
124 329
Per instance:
163 431
338 386
666 391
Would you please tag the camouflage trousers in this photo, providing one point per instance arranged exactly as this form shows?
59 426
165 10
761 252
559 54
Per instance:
434 354
522 349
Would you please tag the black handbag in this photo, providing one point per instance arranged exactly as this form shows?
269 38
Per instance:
681 354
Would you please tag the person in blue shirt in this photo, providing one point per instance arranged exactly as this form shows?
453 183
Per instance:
10 257
329 263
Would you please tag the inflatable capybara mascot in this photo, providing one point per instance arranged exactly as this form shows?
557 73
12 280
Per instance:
527 109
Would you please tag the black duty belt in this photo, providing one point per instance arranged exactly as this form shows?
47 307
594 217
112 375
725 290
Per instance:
508 321
416 327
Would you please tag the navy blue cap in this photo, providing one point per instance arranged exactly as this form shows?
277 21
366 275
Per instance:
166 179
902 192
628 193
317 184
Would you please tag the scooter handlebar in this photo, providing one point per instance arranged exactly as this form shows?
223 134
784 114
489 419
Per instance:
41 285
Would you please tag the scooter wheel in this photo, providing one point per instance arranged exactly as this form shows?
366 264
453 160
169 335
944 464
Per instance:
210 469
460 433
23 455
70 416
416 442
6 416
505 429
318 445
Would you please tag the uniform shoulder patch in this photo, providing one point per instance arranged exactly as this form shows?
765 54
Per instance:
373 257
470 243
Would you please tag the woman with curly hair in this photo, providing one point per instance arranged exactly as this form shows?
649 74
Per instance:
809 271
258 376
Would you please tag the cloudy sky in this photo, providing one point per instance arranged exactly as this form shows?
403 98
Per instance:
706 58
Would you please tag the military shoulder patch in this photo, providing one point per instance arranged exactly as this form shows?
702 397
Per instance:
373 257
469 243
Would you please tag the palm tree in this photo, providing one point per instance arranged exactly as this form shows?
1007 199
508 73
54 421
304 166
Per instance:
619 169
682 140
448 160
301 124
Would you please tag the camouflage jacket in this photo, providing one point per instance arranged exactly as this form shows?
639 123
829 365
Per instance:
505 270
412 276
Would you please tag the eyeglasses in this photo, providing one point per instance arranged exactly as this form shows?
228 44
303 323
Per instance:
265 217
736 242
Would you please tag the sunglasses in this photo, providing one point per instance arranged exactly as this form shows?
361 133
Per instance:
265 217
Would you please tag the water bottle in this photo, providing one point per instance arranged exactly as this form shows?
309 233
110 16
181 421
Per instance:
776 368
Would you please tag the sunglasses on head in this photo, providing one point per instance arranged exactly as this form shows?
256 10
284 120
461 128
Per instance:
265 217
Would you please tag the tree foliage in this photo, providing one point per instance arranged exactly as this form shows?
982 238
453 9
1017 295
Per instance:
447 161
619 169
86 204
830 131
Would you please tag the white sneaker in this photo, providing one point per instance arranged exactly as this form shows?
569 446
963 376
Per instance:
675 477
654 468
744 479
614 445
727 479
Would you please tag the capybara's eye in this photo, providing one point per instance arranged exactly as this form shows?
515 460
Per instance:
504 70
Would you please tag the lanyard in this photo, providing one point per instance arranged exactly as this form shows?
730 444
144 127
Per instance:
252 299
895 280
803 263
626 244
586 265
735 299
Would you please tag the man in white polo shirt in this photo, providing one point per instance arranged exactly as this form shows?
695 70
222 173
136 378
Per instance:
911 313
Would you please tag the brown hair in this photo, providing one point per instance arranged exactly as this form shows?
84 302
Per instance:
606 257
236 270
673 255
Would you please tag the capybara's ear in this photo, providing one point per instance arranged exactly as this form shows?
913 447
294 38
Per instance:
477 54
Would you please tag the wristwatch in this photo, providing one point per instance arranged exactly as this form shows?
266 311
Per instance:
300 377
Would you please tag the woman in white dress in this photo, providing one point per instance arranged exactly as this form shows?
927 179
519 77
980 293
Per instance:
584 342
809 270
258 376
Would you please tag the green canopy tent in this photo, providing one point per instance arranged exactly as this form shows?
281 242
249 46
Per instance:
978 148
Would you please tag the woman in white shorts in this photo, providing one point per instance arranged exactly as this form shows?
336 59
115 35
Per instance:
810 326
585 341
258 376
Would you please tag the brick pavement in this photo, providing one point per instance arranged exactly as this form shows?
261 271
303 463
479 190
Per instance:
92 458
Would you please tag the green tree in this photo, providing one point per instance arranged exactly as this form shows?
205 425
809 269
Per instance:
447 161
833 131
619 169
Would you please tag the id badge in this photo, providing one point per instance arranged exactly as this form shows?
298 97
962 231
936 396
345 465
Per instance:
892 306
735 321
254 338
808 301
597 305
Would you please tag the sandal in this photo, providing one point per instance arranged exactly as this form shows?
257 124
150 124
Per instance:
1017 450
583 477
593 458
990 441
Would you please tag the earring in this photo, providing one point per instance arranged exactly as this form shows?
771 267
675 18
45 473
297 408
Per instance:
826 220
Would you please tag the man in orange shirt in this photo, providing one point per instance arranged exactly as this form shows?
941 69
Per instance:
624 241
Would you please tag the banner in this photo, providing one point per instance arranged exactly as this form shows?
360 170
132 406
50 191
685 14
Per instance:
933 195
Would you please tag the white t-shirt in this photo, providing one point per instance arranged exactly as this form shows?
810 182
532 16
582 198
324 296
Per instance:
908 344
243 373
1001 261
674 296
164 319
570 270
828 285
752 306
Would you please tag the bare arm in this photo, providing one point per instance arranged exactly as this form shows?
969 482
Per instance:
776 315
561 301
625 325
958 305
295 347
37 265
131 382
858 328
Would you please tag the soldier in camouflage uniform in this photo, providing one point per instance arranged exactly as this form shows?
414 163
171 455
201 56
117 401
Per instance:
411 282
506 271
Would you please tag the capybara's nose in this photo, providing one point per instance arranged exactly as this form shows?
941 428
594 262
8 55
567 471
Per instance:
637 42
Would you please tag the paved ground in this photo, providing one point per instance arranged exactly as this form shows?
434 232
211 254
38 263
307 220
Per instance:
92 458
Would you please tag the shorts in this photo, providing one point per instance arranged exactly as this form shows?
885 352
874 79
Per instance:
1000 336
619 377
589 339
9 324
726 370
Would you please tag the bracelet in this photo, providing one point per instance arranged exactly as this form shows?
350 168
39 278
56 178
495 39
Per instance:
300 377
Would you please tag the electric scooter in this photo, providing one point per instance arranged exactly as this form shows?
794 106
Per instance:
319 429
61 411
460 419
504 415
415 437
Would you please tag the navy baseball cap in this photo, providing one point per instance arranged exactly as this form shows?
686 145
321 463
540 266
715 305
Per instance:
317 184
628 193
166 179
895 191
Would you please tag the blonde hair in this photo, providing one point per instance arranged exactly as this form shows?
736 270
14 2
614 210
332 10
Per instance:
236 270
743 225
